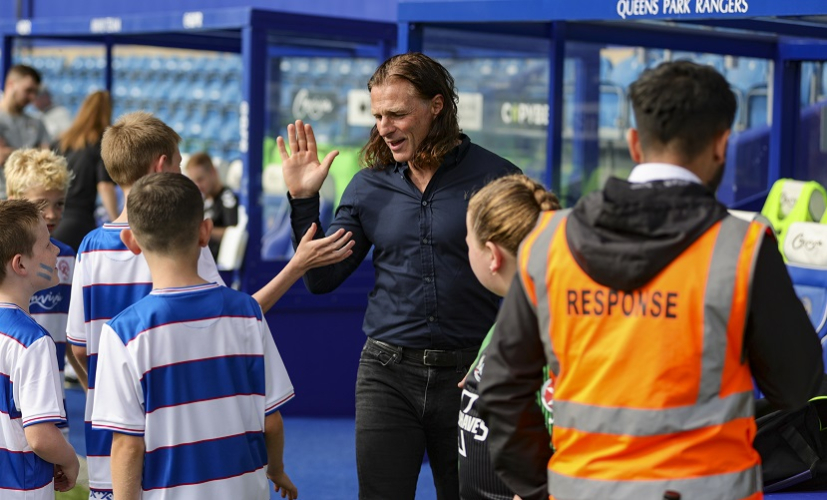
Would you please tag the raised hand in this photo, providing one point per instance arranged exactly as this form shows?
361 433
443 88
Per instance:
302 170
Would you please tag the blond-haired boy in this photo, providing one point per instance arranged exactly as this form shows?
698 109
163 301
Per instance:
42 177
36 457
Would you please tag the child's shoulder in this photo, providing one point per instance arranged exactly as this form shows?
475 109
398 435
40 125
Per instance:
65 250
179 306
19 326
104 238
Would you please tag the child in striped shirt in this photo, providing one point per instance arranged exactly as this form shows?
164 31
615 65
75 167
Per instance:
189 378
36 457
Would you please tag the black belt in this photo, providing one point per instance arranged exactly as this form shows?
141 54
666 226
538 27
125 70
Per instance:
431 357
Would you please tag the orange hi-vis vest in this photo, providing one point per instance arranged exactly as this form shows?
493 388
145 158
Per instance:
651 390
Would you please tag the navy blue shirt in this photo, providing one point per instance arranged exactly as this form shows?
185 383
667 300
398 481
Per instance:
425 295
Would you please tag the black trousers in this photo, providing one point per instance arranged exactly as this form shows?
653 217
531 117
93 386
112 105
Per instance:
404 408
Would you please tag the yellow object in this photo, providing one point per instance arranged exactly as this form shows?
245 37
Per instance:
793 201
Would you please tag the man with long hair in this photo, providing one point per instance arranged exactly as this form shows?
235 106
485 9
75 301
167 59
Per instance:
427 314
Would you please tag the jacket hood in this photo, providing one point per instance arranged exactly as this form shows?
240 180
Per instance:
624 235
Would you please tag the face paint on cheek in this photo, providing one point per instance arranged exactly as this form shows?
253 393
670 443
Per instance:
44 275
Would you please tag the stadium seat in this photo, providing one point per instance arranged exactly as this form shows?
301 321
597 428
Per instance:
611 111
747 159
793 201
757 107
806 251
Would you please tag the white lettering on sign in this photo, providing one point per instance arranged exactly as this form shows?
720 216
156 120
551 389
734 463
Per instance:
636 8
721 6
243 126
676 7
24 27
469 111
105 25
627 8
307 105
193 20
523 113
358 109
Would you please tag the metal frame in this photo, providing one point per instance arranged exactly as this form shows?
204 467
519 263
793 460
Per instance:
303 323
247 31
767 29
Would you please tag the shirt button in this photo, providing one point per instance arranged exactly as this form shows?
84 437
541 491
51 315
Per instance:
425 240
424 203
428 279
431 319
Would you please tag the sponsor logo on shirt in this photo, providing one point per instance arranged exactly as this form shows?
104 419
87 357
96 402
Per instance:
547 398
479 368
47 301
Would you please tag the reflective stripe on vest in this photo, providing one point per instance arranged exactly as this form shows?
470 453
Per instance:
541 237
618 433
740 485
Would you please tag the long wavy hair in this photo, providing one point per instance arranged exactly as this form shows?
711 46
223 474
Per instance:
429 79
94 115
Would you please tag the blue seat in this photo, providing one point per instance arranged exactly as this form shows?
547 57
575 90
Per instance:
757 107
627 71
806 250
612 102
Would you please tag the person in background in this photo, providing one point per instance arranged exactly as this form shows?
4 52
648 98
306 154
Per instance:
56 118
220 203
81 145
499 216
19 130
654 310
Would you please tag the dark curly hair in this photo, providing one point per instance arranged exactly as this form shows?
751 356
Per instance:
681 104
429 79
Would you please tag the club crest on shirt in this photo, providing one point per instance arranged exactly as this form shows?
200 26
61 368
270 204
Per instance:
547 395
478 369
228 199
64 270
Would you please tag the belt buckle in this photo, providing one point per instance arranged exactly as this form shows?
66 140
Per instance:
437 357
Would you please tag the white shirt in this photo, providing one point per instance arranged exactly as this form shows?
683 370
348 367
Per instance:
650 172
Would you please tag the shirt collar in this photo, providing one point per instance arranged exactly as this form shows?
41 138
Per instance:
650 172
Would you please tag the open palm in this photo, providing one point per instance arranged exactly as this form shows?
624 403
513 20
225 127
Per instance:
302 170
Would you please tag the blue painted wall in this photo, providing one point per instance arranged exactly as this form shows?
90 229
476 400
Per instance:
373 10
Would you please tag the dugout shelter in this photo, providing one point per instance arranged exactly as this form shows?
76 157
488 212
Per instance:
288 60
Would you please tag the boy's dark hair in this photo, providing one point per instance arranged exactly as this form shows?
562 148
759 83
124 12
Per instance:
18 222
22 71
683 105
165 211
